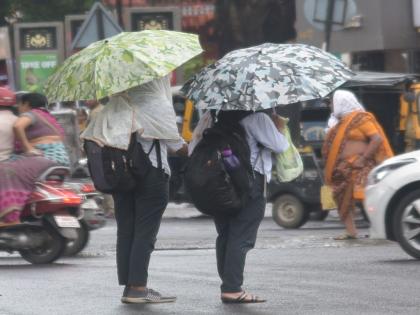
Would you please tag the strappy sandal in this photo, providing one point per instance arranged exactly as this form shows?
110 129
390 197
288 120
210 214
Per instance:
345 237
242 299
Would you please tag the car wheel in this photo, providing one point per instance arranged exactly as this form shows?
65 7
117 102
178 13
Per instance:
406 224
289 212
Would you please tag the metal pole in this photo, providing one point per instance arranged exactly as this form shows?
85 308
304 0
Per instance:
100 25
328 23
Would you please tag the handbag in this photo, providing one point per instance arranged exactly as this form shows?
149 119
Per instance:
109 168
327 198
115 170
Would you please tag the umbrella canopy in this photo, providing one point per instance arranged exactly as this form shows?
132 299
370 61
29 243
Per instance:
120 62
266 76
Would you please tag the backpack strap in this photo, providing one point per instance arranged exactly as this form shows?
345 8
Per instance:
158 153
151 148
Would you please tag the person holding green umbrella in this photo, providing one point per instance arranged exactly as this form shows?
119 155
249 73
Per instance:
147 111
132 70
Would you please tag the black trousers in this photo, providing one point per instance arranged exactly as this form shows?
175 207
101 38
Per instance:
138 215
236 236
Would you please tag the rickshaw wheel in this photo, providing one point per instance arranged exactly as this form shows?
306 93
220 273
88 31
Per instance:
289 212
319 215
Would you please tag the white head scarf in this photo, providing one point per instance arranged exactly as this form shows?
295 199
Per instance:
332 121
345 102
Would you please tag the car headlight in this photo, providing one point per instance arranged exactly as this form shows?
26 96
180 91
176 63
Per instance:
381 172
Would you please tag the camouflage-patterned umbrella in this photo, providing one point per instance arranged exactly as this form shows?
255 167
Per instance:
266 76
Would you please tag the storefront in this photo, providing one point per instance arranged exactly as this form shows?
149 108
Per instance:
196 16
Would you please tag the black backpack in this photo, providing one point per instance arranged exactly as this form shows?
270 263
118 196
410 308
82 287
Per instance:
114 170
214 190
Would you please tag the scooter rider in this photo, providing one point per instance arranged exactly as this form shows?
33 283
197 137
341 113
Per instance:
7 120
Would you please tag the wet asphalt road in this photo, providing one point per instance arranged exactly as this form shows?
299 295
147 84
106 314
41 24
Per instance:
299 271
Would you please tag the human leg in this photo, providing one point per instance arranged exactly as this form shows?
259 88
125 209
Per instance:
222 228
241 238
124 215
150 202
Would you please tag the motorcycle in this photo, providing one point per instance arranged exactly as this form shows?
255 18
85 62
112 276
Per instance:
92 209
49 220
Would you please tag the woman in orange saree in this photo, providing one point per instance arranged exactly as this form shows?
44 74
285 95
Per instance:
354 145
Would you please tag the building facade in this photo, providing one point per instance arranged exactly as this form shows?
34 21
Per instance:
379 35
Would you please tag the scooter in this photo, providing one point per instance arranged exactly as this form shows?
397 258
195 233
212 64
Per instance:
49 220
92 209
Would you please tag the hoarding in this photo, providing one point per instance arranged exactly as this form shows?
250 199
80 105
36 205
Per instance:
35 70
39 50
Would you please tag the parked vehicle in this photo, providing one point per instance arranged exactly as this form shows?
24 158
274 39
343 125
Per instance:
393 201
49 220
394 98
294 202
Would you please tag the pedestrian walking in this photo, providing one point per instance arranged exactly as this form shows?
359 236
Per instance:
237 232
132 69
253 79
354 145
147 111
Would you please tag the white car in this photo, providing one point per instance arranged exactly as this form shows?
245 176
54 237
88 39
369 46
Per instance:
392 201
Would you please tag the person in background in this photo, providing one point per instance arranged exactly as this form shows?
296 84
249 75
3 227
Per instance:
38 132
82 119
40 138
7 120
355 143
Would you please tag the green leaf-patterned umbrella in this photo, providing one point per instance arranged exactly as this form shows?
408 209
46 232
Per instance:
120 62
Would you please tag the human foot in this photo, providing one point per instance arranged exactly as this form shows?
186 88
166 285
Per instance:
145 296
241 297
345 237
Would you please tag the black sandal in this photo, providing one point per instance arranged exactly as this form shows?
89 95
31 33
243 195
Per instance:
242 299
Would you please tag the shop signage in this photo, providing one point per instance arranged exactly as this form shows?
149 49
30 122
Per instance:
35 70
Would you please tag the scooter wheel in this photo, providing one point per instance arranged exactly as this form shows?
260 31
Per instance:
74 247
52 249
